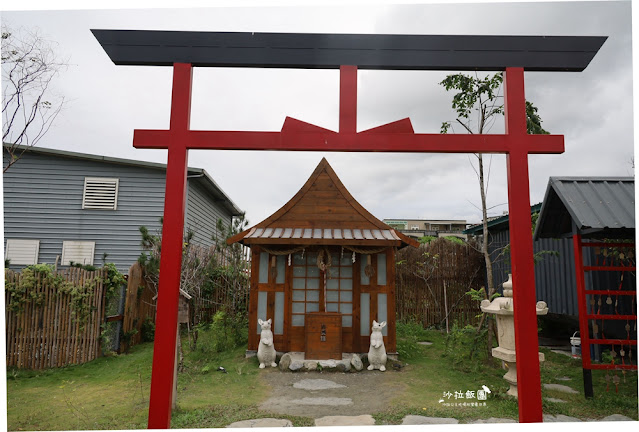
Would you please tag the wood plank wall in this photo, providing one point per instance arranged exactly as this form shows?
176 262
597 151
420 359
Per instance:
457 267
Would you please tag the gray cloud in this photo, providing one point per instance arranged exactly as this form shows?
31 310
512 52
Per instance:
592 109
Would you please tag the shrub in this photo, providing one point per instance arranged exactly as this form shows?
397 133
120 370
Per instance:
147 331
224 333
466 348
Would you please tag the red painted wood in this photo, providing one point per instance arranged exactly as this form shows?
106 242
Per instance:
610 292
614 367
525 315
348 99
609 268
609 317
355 142
581 301
614 341
164 347
604 244
296 136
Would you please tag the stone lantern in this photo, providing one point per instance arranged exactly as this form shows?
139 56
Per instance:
502 307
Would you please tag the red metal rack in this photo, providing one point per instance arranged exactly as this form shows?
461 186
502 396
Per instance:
593 313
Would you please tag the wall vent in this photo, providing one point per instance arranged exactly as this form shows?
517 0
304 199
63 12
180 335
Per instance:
100 193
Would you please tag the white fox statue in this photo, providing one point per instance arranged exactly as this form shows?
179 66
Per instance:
266 351
377 352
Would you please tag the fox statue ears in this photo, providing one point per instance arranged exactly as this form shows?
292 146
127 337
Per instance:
381 325
260 322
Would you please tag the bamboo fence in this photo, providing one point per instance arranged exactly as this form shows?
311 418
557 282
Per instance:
423 276
45 333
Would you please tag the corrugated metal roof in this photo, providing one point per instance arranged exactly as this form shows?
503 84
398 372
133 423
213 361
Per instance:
322 234
199 174
597 206
499 223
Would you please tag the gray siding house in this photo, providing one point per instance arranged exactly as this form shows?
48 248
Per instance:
77 207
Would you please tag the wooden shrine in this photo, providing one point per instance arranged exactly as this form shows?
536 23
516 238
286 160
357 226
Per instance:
323 268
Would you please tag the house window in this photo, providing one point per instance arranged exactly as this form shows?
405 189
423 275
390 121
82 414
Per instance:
78 252
100 193
22 252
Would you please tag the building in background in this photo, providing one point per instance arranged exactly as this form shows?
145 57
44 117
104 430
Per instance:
62 206
417 228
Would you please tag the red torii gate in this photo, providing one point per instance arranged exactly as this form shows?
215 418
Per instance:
187 49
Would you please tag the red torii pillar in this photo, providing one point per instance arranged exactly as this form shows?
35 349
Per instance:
394 137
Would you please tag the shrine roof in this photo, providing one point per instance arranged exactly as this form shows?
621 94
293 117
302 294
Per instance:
366 51
595 207
323 212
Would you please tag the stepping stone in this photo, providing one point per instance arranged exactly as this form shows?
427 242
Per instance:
561 388
617 417
285 362
263 422
356 362
555 400
494 420
317 384
328 364
361 420
296 365
425 343
563 378
330 401
559 418
422 420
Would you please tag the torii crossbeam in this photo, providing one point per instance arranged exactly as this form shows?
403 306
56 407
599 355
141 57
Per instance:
512 54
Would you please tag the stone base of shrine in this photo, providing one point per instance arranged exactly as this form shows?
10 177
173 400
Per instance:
295 361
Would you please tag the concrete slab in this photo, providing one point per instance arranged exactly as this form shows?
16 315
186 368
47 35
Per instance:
555 400
559 418
422 420
361 420
494 420
331 401
561 388
317 384
617 417
425 343
263 422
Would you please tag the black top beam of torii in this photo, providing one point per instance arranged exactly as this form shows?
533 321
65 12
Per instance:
367 51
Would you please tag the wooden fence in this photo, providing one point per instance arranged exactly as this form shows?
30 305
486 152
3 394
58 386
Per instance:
423 276
42 330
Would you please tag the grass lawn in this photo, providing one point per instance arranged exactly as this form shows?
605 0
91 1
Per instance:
113 392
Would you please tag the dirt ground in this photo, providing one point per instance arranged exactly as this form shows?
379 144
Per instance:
369 391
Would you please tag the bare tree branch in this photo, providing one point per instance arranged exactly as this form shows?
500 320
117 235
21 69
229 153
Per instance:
29 106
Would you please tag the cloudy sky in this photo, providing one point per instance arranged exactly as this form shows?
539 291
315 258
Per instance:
105 103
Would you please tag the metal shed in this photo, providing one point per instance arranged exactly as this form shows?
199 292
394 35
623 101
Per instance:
599 210
594 207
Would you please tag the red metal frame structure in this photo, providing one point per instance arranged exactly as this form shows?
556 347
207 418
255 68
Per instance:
394 137
585 316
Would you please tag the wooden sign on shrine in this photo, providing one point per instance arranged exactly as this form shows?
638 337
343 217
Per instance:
348 53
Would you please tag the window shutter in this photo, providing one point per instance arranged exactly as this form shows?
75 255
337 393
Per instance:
100 193
22 252
80 252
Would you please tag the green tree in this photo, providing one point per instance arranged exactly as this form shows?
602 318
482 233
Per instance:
478 104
